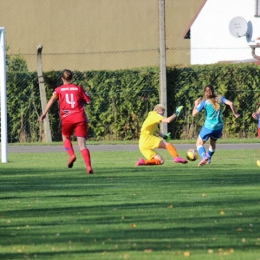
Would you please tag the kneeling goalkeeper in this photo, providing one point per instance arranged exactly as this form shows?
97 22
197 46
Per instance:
149 141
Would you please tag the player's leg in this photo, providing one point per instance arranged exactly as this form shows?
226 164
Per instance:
201 151
66 134
156 160
85 154
146 147
152 158
212 149
172 150
212 143
202 138
81 131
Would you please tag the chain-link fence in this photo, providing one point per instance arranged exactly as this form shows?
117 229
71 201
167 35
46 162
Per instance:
102 36
123 98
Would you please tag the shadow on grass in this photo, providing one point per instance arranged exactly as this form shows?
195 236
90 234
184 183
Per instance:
120 237
126 208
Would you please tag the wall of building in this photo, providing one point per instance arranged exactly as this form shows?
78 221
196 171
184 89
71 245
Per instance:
211 40
96 35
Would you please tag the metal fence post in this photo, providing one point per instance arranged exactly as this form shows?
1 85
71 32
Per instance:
3 97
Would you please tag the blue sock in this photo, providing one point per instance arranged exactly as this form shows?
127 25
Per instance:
202 152
211 152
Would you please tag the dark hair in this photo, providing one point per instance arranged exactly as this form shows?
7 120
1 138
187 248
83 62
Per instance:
209 93
67 75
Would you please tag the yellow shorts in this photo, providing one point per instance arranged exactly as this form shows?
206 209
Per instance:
147 144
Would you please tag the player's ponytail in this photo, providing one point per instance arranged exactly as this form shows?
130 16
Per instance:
210 95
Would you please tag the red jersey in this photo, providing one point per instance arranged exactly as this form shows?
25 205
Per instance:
72 99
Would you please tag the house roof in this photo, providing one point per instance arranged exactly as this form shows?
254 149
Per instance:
187 31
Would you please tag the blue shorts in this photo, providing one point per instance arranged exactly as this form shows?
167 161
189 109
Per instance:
206 133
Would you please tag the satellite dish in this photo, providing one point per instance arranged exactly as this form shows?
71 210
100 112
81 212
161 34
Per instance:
238 27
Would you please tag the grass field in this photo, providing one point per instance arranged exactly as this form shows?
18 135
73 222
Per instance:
124 212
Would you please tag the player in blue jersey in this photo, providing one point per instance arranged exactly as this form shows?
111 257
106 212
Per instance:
213 125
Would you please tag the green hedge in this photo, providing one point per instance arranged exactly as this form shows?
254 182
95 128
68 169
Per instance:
237 82
121 100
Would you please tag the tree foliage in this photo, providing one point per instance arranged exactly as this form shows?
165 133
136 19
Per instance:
15 63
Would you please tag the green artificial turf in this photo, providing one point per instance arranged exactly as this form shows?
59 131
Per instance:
173 211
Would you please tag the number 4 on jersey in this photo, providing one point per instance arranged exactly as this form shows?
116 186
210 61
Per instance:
71 100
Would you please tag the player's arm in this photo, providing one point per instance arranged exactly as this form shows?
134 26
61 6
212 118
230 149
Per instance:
166 137
173 116
163 135
232 107
195 110
160 134
256 114
48 106
86 97
169 119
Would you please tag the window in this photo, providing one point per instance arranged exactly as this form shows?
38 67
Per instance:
257 8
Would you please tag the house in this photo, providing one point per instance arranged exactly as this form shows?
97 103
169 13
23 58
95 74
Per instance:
225 30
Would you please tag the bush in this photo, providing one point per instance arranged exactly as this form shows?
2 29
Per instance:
122 99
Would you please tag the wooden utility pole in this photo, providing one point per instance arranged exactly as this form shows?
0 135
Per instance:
46 122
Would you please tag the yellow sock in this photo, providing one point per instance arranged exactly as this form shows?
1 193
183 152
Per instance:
152 162
171 149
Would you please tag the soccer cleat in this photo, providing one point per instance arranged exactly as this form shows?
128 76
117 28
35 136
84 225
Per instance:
203 161
178 110
209 160
72 159
180 160
140 162
90 170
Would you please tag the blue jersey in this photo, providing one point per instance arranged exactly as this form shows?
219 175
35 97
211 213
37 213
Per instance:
213 119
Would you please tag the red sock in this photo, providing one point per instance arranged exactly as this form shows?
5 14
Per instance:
171 149
152 162
86 156
68 147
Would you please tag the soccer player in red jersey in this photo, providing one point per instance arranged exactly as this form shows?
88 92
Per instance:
72 99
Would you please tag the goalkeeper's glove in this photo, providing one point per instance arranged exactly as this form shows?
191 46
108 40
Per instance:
178 110
167 137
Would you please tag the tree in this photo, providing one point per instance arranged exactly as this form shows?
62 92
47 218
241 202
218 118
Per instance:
15 63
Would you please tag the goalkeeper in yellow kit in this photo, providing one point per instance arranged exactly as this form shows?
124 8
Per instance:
149 141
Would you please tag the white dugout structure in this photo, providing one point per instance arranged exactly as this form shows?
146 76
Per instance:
3 104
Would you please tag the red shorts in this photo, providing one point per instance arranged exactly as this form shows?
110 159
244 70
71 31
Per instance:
80 129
